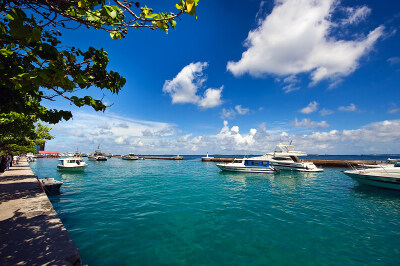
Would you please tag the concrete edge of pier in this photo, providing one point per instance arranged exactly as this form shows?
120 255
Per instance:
319 163
31 232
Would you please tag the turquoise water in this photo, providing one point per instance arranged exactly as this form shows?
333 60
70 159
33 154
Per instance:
188 212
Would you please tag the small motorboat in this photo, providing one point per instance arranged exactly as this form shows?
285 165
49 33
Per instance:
50 185
130 156
248 166
385 177
72 163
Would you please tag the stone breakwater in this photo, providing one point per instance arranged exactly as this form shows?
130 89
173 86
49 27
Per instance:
30 231
320 163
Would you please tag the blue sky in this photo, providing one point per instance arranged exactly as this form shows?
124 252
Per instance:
246 75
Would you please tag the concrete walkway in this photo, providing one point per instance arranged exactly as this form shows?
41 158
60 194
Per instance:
30 231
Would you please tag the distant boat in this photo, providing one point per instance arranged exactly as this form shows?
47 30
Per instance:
130 156
97 155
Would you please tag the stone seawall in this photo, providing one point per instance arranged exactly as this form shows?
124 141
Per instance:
31 232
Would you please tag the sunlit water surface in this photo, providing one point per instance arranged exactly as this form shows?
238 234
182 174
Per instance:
188 212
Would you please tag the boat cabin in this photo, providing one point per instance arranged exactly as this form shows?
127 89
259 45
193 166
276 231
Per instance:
256 163
70 161
289 158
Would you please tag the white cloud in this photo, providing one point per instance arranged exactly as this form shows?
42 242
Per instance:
307 123
351 108
295 38
228 113
184 87
231 114
241 110
211 98
380 137
394 110
394 60
310 108
325 112
356 15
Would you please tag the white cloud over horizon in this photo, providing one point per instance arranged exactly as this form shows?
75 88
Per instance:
350 108
310 108
120 135
307 123
296 38
184 87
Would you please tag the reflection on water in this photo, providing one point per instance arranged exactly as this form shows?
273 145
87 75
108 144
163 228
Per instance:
285 180
375 193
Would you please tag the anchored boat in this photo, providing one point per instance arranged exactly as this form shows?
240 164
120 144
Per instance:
284 158
385 177
130 156
97 155
72 163
250 165
50 185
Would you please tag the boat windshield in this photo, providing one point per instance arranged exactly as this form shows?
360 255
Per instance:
295 159
237 161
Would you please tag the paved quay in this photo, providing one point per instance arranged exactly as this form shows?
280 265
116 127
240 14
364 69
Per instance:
30 231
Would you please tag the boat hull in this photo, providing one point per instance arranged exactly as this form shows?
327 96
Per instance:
375 180
71 168
245 169
293 168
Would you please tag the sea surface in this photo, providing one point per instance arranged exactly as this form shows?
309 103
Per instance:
158 212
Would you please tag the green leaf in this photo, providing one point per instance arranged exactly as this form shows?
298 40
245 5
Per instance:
5 52
180 5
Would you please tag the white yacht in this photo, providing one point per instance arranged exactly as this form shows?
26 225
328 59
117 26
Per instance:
72 163
250 165
97 155
284 158
385 177
130 156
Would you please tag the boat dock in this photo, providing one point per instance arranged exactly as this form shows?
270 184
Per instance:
163 158
31 232
319 163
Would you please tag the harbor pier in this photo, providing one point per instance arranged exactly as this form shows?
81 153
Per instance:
31 232
164 158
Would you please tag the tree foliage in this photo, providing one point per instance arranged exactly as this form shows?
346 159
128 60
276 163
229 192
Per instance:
34 66
20 133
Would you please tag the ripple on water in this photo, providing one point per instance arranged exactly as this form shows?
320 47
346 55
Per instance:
188 212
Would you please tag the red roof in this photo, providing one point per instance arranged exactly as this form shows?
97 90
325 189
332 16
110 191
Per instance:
49 152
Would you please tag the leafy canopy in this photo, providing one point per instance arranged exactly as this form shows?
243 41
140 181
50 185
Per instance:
34 66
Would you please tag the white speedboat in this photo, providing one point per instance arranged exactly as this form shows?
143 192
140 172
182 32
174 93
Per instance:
97 155
72 163
50 185
284 158
130 156
250 165
385 177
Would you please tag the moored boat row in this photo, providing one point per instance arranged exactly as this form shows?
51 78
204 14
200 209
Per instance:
283 158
